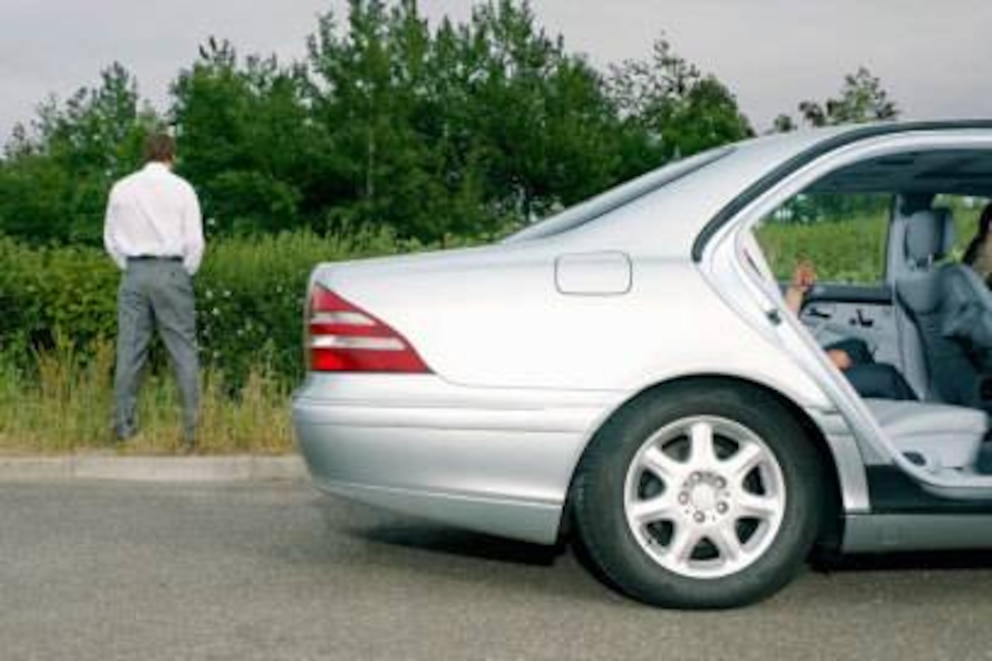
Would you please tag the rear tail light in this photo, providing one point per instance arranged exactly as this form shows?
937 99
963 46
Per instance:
342 337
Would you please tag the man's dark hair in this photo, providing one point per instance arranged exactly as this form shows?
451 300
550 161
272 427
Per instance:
160 147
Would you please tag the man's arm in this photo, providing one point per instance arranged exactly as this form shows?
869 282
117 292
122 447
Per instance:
193 243
966 317
111 221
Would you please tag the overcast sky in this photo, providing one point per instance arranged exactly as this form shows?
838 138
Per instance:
935 58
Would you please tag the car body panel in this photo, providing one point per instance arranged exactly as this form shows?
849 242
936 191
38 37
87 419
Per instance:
543 338
535 342
461 449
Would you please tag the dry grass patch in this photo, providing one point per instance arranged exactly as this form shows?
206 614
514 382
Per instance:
66 404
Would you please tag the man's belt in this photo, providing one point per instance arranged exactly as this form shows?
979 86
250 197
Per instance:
155 258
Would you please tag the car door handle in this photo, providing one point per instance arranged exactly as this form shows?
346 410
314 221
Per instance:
862 320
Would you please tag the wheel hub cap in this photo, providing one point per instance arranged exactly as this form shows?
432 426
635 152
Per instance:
705 497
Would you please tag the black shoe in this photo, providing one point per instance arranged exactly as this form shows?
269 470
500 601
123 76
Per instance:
120 438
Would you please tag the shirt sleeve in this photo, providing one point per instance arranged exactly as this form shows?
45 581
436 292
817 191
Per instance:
110 229
193 243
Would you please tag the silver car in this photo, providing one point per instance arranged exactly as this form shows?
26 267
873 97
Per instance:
629 375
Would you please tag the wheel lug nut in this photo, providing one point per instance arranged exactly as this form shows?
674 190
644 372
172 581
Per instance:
720 483
721 507
699 517
683 498
695 477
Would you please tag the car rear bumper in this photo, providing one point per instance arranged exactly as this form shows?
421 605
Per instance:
494 460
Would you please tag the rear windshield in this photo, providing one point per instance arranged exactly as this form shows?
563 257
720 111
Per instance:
625 193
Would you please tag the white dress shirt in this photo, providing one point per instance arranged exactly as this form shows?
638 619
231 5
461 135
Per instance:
154 212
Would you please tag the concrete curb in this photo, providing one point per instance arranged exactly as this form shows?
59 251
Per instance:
239 468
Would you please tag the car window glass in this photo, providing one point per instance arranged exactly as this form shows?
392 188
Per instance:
842 235
966 210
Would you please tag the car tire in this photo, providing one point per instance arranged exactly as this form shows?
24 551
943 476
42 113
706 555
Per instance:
700 496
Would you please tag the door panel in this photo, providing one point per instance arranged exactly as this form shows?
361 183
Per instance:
837 312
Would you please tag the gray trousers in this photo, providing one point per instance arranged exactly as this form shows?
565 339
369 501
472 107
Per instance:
155 293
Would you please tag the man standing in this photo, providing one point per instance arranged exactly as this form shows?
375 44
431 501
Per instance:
154 233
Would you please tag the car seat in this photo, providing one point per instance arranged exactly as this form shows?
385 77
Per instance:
951 308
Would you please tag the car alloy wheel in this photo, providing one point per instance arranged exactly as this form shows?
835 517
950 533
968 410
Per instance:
700 495
704 497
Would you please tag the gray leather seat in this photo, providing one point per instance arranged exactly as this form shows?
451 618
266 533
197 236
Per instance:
935 436
951 308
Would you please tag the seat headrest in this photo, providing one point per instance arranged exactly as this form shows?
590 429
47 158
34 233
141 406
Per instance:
930 235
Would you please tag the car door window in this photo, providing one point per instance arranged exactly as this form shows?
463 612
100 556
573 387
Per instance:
965 210
843 235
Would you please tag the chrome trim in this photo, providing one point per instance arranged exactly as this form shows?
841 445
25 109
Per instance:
342 318
351 342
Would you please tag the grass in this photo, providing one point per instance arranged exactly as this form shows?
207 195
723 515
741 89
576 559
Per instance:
851 250
66 405
842 251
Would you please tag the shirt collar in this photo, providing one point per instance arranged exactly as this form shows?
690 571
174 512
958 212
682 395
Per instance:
155 166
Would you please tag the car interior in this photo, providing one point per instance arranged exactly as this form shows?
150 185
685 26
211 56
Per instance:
926 313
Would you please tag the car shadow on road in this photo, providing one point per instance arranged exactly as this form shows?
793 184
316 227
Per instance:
459 554
452 541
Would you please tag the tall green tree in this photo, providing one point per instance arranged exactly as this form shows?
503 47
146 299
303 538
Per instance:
245 139
862 99
55 177
546 120
671 109
366 86
460 129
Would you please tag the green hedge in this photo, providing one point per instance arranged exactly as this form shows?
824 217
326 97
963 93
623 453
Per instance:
250 293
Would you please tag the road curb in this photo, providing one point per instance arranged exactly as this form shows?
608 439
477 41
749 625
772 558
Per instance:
237 468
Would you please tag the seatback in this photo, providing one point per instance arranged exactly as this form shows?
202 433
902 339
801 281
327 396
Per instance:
934 299
912 356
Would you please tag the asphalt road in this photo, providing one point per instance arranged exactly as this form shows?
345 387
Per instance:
127 571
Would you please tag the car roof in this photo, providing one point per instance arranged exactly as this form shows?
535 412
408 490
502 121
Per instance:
701 193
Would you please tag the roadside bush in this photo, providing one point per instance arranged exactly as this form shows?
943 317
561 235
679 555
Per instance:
250 294
48 291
